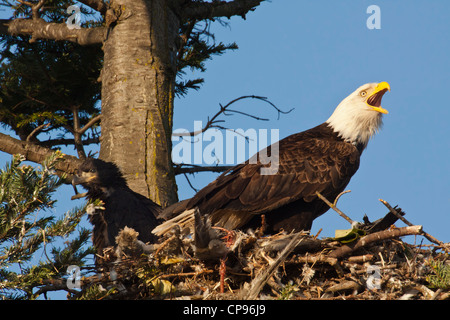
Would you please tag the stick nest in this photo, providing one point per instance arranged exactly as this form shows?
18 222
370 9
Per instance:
376 266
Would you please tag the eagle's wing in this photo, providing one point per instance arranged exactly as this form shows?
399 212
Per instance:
128 208
100 230
308 163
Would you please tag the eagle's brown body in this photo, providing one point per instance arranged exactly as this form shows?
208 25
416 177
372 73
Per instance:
309 161
322 159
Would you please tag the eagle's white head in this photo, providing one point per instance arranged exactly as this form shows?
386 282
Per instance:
359 116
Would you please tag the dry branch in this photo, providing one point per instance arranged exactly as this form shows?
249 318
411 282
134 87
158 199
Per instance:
212 123
216 9
37 154
97 5
425 234
333 206
259 282
323 258
374 237
182 168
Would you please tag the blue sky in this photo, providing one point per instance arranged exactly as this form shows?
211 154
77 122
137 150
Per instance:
309 55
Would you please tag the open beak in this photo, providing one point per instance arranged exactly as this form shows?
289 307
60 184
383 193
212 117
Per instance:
374 100
79 179
84 177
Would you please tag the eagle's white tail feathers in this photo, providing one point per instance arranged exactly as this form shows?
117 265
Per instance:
183 220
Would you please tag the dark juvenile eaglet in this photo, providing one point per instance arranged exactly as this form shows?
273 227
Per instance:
322 159
122 206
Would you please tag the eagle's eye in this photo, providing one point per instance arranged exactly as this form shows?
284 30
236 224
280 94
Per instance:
363 93
92 170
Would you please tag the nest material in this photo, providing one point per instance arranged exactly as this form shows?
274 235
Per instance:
284 266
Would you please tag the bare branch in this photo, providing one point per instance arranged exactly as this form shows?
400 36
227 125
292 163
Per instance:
91 122
215 9
65 142
333 206
41 29
189 183
426 235
212 123
97 5
76 133
37 154
374 237
36 130
35 7
261 279
192 168
185 38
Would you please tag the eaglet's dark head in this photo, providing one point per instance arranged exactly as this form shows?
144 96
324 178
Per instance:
96 173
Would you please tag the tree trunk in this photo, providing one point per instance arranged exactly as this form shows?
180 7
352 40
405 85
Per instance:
138 80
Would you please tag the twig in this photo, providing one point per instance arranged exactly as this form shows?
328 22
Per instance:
223 109
36 130
425 234
333 205
341 194
185 38
314 259
374 237
189 183
181 168
164 244
35 7
90 123
185 274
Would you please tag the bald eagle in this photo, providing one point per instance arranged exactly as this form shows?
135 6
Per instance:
122 206
322 159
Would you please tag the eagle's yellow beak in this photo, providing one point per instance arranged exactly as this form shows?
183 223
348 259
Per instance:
374 100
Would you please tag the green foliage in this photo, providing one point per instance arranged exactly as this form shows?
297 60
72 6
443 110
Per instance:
27 228
287 292
97 292
44 82
441 277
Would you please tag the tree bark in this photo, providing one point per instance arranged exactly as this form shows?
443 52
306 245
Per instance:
137 96
41 29
38 154
140 44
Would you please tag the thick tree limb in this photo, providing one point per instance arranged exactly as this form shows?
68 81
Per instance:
41 29
216 9
37 154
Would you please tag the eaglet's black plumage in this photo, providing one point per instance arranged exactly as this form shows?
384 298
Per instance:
122 206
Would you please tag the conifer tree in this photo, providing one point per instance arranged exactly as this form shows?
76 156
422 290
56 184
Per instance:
28 227
133 54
